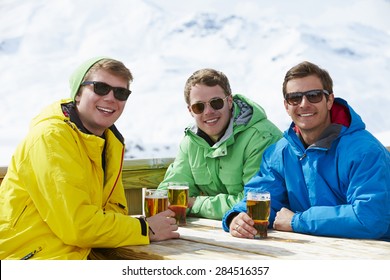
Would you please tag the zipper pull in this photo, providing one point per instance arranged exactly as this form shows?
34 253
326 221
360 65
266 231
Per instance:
121 205
31 254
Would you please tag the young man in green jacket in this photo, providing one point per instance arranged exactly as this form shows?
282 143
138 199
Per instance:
223 149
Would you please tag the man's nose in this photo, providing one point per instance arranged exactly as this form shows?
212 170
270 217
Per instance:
304 101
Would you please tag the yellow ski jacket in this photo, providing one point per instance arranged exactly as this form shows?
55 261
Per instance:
56 201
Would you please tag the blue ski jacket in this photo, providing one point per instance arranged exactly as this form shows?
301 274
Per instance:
339 186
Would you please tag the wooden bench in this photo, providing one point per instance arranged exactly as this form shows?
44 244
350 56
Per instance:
137 174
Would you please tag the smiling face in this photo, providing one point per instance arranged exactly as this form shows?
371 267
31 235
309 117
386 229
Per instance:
311 118
97 113
212 122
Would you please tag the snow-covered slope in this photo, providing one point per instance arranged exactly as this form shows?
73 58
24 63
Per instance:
254 42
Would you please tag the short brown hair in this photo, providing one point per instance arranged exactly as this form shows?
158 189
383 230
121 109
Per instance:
208 77
112 66
305 69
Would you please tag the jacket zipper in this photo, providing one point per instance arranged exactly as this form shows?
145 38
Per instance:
116 180
21 213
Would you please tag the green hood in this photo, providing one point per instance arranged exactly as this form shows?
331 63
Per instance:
78 75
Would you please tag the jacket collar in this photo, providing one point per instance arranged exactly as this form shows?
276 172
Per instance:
69 110
344 120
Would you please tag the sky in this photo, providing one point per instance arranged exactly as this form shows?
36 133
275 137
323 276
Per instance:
254 42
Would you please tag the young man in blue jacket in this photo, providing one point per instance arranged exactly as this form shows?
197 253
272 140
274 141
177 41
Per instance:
328 175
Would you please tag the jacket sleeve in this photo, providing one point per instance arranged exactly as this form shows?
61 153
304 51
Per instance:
180 171
366 212
214 207
268 178
62 192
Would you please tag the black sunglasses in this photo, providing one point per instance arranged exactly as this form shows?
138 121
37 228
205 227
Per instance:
314 96
102 89
215 103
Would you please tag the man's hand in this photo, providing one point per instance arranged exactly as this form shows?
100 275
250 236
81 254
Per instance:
191 201
162 226
283 220
242 226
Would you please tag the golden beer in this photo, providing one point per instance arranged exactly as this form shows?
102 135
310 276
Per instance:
178 201
156 201
258 208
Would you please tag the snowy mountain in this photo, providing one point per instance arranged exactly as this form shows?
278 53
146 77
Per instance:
254 42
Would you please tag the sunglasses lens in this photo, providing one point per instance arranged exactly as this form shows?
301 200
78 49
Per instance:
217 103
101 88
121 93
294 98
314 96
197 108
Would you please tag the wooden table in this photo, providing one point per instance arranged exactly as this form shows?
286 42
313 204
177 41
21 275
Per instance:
205 239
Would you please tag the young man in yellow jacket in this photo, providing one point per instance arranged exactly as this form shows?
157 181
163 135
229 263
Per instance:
63 193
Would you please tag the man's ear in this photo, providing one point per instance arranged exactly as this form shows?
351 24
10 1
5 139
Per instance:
230 101
189 110
286 106
77 97
330 101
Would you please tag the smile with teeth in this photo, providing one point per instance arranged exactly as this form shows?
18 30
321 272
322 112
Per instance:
307 115
212 120
105 110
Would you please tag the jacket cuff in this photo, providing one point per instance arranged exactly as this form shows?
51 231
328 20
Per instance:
229 216
144 226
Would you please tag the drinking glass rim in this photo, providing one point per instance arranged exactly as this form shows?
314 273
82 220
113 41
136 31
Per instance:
257 193
153 195
178 187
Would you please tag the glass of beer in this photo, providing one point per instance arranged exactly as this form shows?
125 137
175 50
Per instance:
258 205
178 201
156 201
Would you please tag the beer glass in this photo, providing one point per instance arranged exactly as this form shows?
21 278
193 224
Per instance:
258 205
178 201
156 201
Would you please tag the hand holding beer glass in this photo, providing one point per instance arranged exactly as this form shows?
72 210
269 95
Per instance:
156 201
258 205
178 201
